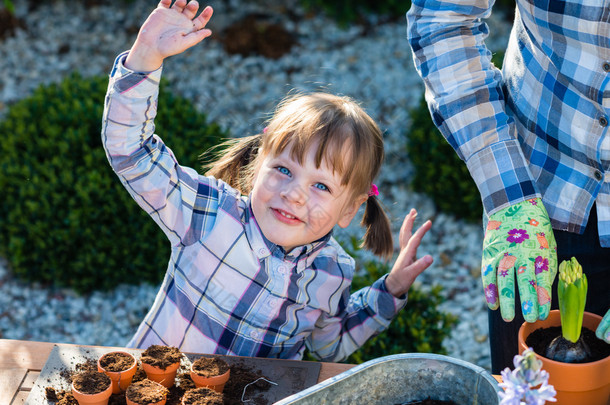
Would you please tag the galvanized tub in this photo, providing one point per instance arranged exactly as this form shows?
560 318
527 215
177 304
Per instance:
401 378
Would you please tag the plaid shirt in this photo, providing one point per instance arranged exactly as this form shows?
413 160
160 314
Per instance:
227 289
539 127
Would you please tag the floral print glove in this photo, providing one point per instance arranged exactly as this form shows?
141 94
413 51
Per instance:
603 330
519 237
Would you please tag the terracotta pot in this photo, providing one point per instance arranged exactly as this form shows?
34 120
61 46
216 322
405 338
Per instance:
217 382
211 396
161 402
166 377
120 379
100 398
582 383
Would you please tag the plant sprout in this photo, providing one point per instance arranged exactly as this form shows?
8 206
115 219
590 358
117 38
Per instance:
527 384
572 295
572 290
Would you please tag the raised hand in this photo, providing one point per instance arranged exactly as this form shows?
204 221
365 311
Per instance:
519 237
168 30
407 267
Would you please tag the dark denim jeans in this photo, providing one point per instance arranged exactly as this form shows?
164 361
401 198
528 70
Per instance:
595 262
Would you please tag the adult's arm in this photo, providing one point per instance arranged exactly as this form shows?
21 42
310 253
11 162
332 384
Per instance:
466 100
465 97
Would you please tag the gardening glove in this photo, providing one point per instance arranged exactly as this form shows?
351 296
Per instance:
603 330
519 237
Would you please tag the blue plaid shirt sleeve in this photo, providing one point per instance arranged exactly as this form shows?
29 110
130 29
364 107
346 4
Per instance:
465 97
363 314
168 192
356 317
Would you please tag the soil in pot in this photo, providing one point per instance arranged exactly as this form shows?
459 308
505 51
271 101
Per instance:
211 372
116 361
120 367
161 364
242 375
210 366
202 396
91 382
91 388
62 397
146 392
540 339
161 356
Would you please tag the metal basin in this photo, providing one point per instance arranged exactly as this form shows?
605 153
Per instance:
401 378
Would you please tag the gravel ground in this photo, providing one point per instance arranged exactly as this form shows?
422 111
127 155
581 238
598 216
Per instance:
371 65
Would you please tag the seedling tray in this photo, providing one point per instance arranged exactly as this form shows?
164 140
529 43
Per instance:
291 376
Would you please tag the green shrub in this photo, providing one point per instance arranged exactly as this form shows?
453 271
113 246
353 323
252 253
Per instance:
9 6
66 219
345 12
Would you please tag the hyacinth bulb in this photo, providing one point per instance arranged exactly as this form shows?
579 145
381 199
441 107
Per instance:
565 351
572 294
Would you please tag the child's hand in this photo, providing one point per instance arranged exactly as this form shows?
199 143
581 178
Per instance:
407 266
168 31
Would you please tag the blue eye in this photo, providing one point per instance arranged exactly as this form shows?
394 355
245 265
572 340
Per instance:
321 186
283 170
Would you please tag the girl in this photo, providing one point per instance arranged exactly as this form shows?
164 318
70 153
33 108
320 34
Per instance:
254 270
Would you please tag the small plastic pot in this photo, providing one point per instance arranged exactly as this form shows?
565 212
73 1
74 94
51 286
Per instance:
165 377
120 379
217 382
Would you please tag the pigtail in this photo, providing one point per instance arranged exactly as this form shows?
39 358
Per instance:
234 161
378 236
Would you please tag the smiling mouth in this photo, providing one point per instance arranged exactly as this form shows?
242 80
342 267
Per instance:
285 217
285 214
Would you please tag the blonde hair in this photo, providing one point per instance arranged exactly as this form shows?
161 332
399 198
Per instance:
347 139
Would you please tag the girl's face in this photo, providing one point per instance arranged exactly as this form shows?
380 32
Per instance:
296 204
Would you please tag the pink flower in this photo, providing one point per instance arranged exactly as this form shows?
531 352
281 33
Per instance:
517 235
491 293
541 264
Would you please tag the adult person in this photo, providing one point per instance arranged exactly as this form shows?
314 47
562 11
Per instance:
534 137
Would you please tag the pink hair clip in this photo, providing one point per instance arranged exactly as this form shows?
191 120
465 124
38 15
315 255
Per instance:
374 191
265 130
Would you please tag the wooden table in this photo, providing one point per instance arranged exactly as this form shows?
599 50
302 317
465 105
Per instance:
21 362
